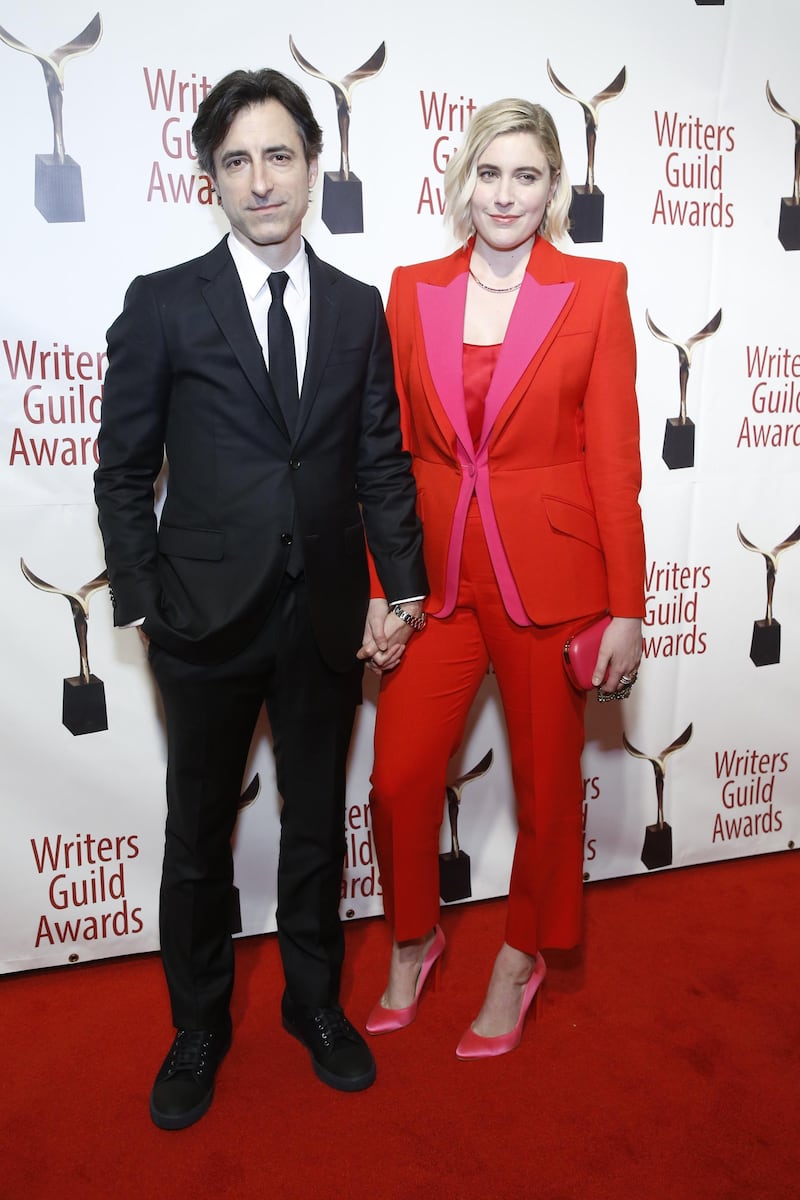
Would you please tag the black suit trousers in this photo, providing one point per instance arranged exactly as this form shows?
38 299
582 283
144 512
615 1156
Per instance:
211 712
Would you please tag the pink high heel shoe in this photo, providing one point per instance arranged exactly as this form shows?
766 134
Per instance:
472 1045
386 1020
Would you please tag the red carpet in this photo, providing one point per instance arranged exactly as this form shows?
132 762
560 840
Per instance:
665 1065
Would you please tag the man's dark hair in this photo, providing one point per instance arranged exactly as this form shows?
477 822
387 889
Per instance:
242 89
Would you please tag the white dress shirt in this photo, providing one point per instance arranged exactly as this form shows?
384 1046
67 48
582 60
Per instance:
296 299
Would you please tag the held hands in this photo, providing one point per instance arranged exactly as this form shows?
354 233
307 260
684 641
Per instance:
385 635
619 655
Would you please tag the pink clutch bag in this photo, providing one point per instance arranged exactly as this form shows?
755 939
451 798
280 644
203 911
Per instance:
580 652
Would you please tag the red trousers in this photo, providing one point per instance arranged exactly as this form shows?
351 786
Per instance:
422 712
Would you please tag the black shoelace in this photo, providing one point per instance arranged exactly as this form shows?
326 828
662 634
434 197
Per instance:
333 1024
191 1046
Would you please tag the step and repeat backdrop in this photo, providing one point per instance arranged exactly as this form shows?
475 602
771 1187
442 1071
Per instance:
680 124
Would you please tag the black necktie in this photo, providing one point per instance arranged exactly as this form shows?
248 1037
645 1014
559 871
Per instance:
280 342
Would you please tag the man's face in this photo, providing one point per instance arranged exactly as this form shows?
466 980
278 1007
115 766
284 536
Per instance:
263 180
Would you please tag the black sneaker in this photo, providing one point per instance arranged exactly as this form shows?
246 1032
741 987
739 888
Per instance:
339 1055
184 1087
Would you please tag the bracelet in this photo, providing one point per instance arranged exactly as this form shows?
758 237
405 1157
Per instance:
416 623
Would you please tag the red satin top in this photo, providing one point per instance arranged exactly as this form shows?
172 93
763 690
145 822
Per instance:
479 365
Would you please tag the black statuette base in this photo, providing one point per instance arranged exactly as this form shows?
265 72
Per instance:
342 203
765 646
236 911
657 848
84 706
678 451
58 194
789 224
455 881
586 215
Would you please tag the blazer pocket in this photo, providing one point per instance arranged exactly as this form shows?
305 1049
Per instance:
207 544
572 519
576 333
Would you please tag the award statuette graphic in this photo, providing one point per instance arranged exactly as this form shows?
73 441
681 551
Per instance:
765 646
678 450
342 200
588 202
657 848
789 221
454 870
84 705
58 192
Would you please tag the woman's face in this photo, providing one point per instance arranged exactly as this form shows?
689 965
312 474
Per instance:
512 190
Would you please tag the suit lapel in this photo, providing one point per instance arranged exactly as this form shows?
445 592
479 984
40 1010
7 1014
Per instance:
322 325
543 303
537 316
441 312
225 298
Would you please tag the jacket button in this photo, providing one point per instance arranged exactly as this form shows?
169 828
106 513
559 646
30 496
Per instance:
294 463
286 539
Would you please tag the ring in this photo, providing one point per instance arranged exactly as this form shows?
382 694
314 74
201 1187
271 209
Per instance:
626 682
621 693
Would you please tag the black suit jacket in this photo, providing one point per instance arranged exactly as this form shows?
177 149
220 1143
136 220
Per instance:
186 377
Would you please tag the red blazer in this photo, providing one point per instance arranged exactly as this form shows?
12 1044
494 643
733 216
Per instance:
556 472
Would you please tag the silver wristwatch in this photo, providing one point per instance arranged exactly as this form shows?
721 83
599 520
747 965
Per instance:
416 623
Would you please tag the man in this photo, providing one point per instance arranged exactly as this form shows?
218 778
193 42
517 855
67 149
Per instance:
273 400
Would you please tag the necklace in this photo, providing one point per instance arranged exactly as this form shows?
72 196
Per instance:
496 291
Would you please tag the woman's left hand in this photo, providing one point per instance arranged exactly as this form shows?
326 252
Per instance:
619 655
385 636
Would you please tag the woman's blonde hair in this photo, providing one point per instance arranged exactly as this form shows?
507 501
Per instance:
489 122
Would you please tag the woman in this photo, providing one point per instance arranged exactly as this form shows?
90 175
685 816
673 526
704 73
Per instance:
515 367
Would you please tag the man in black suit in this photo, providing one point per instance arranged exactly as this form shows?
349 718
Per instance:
265 377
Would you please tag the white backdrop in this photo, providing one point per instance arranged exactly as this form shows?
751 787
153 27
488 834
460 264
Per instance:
693 162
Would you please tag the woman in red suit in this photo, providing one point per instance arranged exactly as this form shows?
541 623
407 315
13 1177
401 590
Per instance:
515 367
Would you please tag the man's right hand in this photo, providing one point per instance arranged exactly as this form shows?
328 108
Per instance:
385 635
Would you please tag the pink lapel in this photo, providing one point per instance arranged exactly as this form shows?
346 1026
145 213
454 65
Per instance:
441 311
536 313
